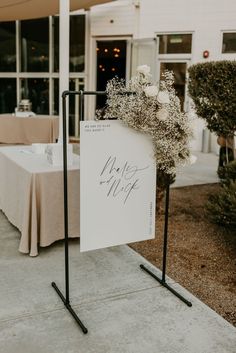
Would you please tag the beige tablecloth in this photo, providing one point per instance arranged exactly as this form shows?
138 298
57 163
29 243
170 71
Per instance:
38 129
31 196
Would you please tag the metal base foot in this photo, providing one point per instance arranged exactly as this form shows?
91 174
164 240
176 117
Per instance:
69 308
164 284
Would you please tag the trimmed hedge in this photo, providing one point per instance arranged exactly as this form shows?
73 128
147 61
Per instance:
221 207
212 87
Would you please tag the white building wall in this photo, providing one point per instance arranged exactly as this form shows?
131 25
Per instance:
112 19
205 19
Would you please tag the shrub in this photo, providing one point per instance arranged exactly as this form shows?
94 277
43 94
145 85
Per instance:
222 206
212 87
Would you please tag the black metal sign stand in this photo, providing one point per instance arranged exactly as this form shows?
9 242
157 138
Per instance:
66 299
162 280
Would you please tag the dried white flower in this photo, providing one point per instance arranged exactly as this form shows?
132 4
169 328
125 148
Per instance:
139 105
143 69
162 114
151 91
163 97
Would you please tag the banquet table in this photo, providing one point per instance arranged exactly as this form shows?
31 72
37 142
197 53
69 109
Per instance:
31 196
21 130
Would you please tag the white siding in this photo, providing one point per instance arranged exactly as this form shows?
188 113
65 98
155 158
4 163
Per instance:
118 18
205 18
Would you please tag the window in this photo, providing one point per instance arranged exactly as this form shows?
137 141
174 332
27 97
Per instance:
229 43
37 90
175 43
7 47
35 45
77 43
179 70
7 95
34 72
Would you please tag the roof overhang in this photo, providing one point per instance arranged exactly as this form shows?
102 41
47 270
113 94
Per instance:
11 10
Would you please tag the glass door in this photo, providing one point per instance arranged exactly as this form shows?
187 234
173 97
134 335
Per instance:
180 70
111 62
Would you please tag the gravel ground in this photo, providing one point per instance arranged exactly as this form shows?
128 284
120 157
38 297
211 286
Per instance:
201 255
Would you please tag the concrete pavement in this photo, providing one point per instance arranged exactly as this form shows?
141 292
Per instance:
124 309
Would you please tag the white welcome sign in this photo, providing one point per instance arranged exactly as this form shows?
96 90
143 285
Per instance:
117 185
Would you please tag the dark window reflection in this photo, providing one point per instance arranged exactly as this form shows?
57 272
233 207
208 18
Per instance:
7 46
55 102
37 91
74 85
7 95
35 45
77 43
229 43
55 26
175 43
111 62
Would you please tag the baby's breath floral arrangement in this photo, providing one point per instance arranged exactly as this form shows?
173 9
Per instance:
155 111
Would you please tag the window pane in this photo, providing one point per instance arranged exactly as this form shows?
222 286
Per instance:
7 95
35 45
77 43
37 91
179 70
74 85
175 43
55 102
229 43
55 22
7 46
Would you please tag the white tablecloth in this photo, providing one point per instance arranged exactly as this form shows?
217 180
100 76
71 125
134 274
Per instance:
31 196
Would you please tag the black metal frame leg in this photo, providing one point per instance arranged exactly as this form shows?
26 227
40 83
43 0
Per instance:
162 280
66 299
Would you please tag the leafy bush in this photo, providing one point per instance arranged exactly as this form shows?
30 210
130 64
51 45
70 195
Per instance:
212 86
222 206
227 173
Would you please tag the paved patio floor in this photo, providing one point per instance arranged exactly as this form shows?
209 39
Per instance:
124 309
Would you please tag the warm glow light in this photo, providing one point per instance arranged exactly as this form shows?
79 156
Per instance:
103 69
100 66
113 69
116 55
97 49
106 50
